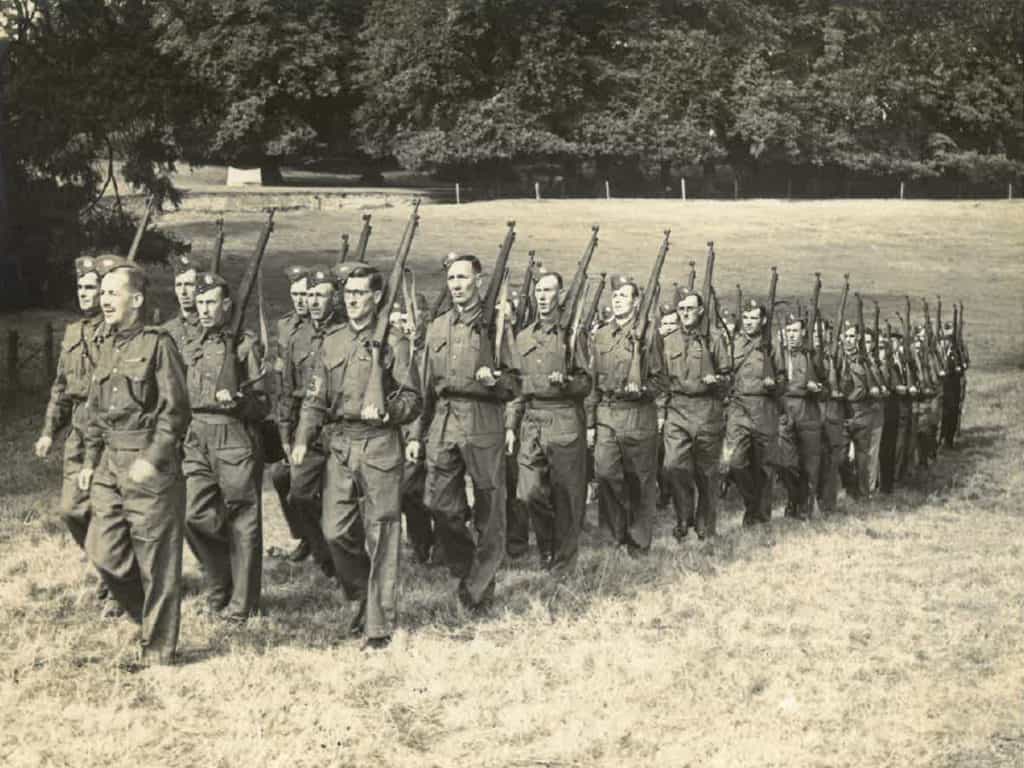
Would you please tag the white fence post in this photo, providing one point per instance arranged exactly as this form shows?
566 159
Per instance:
458 194
536 190
607 190
901 190
682 187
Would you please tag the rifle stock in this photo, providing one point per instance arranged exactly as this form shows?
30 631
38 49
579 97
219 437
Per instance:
570 305
691 280
343 255
812 320
488 354
364 238
766 333
373 396
837 332
140 230
524 314
218 248
634 377
706 296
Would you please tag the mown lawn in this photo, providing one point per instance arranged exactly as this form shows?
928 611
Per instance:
890 635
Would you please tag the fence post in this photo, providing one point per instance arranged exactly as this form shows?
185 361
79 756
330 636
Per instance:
901 190
682 187
536 190
12 360
458 194
735 188
48 357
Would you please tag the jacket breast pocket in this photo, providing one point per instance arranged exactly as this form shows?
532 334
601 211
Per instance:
135 374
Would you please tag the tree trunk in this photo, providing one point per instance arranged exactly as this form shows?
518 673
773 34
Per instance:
270 173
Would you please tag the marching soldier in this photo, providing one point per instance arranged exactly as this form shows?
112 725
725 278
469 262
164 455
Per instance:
184 328
693 417
800 423
894 392
292 324
300 356
952 390
361 516
548 418
928 407
861 395
751 430
137 415
622 425
463 422
223 465
880 407
78 352
834 443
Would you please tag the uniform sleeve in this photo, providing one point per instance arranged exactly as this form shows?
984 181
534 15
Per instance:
593 399
509 385
421 425
404 402
58 409
93 437
315 404
657 374
172 408
287 407
515 407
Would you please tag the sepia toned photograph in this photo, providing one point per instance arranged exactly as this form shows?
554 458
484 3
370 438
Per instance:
511 383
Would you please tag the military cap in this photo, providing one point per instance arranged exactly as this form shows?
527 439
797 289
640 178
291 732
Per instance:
618 281
207 281
847 325
513 294
85 265
320 275
183 262
751 305
792 317
296 272
450 259
667 309
342 271
606 314
683 292
109 262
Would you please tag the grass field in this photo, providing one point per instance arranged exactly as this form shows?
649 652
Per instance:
890 635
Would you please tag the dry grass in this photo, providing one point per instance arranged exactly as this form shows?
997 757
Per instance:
888 636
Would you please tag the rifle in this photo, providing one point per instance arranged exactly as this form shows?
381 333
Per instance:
524 312
573 295
766 332
133 252
738 320
706 289
218 248
344 249
364 238
641 325
862 346
931 352
812 322
965 355
913 379
692 279
374 394
837 332
592 306
885 369
488 354
227 379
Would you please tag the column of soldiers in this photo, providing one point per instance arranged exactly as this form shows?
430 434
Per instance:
383 409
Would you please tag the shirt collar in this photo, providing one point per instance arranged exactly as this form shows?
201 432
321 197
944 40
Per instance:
468 317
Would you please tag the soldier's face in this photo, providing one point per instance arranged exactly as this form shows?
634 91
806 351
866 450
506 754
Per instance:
816 337
869 343
547 294
360 301
120 304
319 300
213 308
623 301
185 290
669 323
794 336
298 293
850 340
690 312
88 291
752 322
463 283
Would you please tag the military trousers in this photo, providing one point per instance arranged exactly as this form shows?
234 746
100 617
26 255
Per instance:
362 521
626 467
833 455
800 447
905 431
860 429
224 519
517 516
74 502
750 452
888 457
952 393
135 541
552 483
419 525
467 436
691 469
300 491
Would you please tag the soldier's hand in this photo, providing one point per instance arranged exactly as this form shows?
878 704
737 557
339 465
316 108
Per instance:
661 423
874 391
769 382
591 436
813 386
298 454
412 451
486 376
224 397
632 389
42 446
510 441
710 379
557 378
141 471
84 478
286 447
913 390
370 413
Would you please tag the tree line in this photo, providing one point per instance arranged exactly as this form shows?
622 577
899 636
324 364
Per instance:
642 92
